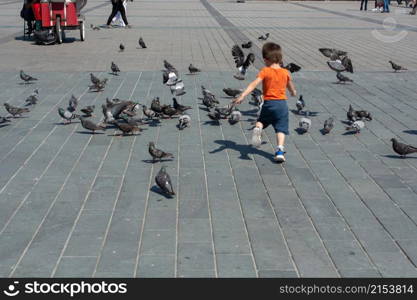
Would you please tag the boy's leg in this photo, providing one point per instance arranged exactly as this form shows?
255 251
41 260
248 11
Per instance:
257 134
279 153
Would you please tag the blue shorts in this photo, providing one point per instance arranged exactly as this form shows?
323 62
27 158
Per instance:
275 113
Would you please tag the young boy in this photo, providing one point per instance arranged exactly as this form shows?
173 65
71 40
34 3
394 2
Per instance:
275 80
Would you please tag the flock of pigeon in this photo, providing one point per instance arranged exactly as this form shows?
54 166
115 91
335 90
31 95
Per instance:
123 114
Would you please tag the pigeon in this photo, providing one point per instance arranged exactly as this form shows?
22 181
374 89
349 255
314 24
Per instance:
225 111
165 76
114 68
15 111
328 125
4 120
396 67
184 121
88 110
214 115
31 100
99 86
208 102
205 92
169 78
169 111
94 79
235 117
333 54
179 107
121 47
110 102
356 126
342 78
363 114
73 103
142 43
67 115
169 67
158 154
193 69
241 62
156 105
135 121
341 65
108 117
247 45
351 114
402 149
26 78
232 92
300 104
178 88
292 67
94 27
163 181
304 124
90 125
257 96
127 128
149 113
263 37
121 107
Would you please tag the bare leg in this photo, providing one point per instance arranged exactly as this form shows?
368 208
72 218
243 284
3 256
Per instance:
280 139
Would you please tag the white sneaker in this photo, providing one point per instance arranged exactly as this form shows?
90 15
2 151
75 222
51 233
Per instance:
279 156
256 137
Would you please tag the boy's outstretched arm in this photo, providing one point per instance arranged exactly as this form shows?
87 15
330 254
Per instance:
247 91
291 88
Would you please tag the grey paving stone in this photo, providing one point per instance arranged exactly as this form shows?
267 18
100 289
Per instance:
76 266
156 266
277 274
231 265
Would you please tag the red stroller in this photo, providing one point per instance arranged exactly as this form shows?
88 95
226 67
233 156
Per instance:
53 17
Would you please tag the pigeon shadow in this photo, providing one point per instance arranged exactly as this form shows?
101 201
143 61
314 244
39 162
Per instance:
25 83
89 132
323 132
214 123
349 132
300 131
410 131
154 123
4 125
151 161
345 122
249 112
157 190
204 108
244 150
114 74
400 157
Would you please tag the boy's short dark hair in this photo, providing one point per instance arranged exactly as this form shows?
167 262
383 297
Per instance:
272 52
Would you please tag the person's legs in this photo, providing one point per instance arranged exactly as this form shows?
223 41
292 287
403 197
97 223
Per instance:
413 12
362 4
113 13
366 4
279 153
123 13
281 128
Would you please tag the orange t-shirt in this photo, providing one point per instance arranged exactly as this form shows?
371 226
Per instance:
274 83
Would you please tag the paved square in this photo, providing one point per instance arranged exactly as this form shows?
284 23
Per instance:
74 204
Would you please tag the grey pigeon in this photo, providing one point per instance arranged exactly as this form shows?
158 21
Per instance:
341 65
169 67
247 45
172 78
165 76
342 78
208 102
158 154
94 79
156 105
363 114
214 115
235 117
15 111
4 120
356 126
88 110
163 181
304 124
396 67
108 117
110 102
179 107
264 37
402 149
184 121
99 86
72 104
333 54
300 104
193 69
114 68
242 63
121 47
205 92
351 114
67 115
32 100
169 111
225 111
142 43
90 125
94 27
26 78
232 92
127 128
328 125
178 88
257 96
292 67
149 113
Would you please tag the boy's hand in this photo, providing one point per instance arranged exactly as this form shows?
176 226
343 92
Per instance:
294 93
237 100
